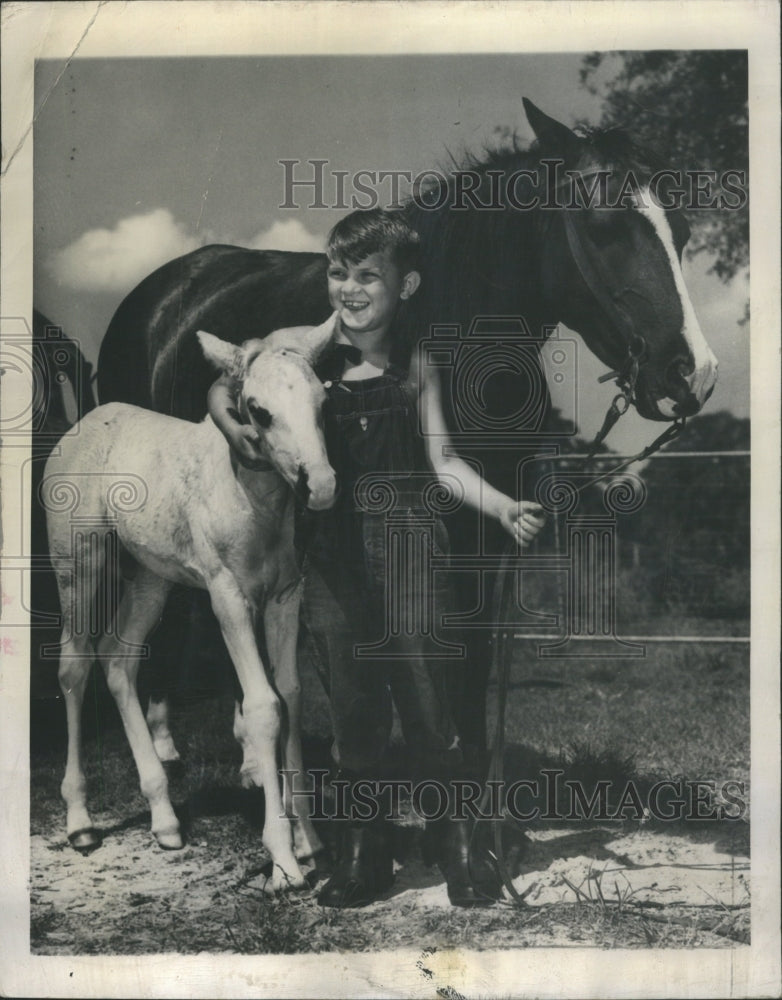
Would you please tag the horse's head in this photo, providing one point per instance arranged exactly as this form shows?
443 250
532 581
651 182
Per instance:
282 397
611 266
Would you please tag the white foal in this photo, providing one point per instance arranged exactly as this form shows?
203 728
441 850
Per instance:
198 518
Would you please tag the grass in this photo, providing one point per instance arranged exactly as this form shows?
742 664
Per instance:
679 711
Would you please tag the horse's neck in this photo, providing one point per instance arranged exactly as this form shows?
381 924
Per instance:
265 490
503 276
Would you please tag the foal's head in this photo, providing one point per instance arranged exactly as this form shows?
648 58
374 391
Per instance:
282 397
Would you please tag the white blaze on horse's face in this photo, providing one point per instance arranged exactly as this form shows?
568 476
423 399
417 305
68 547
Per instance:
703 377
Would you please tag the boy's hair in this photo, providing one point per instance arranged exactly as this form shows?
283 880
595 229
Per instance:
372 231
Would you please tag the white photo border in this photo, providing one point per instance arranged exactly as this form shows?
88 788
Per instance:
32 31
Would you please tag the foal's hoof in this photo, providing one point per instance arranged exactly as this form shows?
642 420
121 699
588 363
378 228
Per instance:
274 880
170 840
85 840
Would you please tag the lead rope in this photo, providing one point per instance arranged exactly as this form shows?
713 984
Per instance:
502 651
626 379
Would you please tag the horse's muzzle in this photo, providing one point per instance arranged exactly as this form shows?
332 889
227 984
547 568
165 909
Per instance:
317 492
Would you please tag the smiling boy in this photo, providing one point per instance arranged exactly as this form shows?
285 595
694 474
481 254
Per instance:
372 429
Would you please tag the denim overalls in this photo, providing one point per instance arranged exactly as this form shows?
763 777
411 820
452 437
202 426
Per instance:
371 429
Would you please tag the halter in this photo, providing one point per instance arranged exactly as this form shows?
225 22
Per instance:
626 377
626 380
597 279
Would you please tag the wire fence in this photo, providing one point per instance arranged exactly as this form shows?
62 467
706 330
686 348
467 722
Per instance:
687 541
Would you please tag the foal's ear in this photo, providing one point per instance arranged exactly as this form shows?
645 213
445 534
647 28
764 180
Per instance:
318 338
227 357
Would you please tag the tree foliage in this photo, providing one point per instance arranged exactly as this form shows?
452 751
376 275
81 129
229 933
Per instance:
691 108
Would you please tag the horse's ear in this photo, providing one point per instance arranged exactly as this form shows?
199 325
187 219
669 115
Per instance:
318 338
553 135
227 357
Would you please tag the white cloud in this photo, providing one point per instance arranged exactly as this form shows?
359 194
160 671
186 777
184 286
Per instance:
288 235
114 260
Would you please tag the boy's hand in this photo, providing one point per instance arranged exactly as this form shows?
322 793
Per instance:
522 520
242 437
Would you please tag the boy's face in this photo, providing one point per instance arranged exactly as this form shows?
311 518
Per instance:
366 294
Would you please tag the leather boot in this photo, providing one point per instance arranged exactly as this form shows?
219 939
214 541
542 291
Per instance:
470 875
458 847
364 867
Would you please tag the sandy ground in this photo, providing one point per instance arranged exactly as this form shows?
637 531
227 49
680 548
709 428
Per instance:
131 897
645 867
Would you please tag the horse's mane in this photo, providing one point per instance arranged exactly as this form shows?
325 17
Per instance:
474 257
608 147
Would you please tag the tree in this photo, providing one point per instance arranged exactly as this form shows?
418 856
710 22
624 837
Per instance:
691 108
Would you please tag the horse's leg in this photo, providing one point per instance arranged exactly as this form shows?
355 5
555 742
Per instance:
261 720
139 609
281 625
75 661
470 694
157 721
249 768
166 644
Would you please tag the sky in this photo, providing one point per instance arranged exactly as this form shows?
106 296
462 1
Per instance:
137 161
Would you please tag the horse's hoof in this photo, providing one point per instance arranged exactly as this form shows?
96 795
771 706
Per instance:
170 840
276 880
85 840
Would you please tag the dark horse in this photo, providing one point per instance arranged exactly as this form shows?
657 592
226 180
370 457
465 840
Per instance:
62 395
516 236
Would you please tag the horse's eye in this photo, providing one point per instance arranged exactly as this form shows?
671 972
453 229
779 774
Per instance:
260 414
605 225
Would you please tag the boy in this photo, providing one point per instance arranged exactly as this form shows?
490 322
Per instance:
371 427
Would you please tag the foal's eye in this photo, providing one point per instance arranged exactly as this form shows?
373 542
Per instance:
260 414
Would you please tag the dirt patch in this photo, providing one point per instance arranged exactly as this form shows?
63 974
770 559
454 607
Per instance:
644 867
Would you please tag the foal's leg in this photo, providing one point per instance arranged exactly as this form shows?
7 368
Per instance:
166 648
249 769
76 658
140 608
157 721
261 720
281 624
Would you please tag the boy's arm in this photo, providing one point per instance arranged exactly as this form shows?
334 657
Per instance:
522 519
242 437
